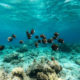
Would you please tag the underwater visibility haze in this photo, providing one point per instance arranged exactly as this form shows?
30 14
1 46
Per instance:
46 16
40 39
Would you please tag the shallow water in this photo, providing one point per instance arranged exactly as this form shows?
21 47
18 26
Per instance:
45 17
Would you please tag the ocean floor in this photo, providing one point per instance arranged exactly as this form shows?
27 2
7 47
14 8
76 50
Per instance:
24 55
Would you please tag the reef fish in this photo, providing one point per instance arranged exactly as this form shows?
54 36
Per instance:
60 40
13 35
2 47
28 35
43 36
55 47
44 41
56 34
39 41
32 31
21 41
50 40
36 36
10 39
54 37
36 44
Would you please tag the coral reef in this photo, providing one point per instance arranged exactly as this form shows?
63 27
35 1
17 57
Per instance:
19 74
39 70
44 70
55 65
43 67
2 75
16 74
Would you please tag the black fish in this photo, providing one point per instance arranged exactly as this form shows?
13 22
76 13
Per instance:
43 36
36 44
2 47
13 35
50 40
54 38
21 41
32 31
56 34
44 41
60 40
29 36
36 36
39 41
55 47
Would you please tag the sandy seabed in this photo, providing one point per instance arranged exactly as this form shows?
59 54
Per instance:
21 58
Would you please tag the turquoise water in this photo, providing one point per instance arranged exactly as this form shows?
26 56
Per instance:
45 17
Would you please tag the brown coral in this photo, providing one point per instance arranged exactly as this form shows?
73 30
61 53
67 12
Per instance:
39 70
44 71
18 72
41 76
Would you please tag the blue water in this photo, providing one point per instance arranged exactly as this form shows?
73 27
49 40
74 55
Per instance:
45 16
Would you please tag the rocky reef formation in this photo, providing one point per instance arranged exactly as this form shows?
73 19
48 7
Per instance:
22 49
38 70
13 58
16 74
44 70
68 57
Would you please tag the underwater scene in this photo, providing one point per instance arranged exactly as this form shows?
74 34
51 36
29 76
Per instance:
39 39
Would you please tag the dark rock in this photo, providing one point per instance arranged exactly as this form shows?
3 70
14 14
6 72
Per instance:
11 57
43 71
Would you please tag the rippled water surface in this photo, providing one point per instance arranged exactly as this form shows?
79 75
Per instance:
45 16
